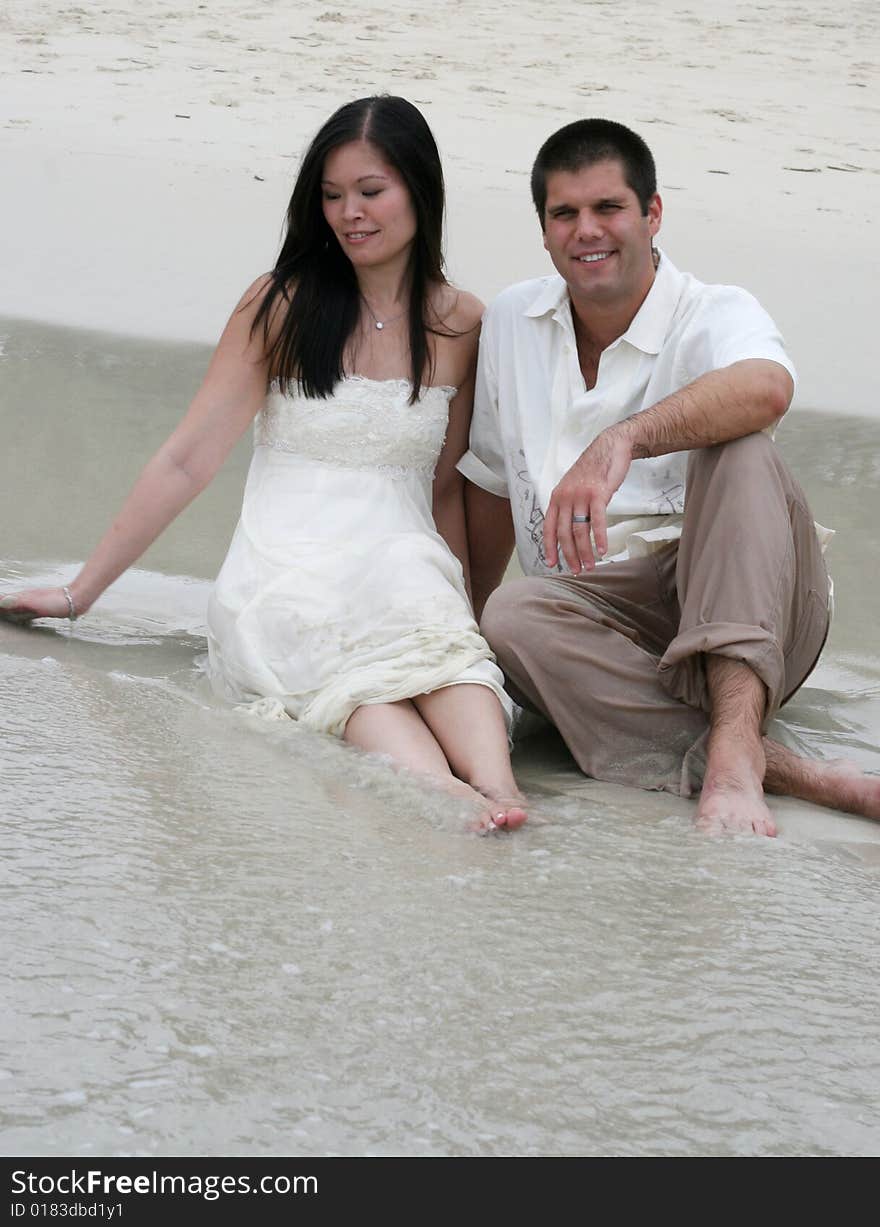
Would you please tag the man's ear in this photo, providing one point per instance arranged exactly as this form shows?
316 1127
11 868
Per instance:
655 213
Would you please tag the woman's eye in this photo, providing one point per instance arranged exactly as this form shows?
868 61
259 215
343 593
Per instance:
373 192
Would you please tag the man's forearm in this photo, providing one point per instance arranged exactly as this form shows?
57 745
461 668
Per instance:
738 400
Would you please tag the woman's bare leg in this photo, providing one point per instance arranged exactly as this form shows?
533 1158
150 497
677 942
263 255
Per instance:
398 730
469 726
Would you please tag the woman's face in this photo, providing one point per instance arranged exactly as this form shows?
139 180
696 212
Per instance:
367 205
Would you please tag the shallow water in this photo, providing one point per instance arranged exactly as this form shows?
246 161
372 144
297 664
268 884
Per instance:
226 936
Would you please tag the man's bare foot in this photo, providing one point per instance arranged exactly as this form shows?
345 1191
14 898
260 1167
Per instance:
838 785
735 804
852 791
729 804
732 797
740 765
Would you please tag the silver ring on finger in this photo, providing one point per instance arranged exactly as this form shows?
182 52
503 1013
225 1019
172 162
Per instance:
580 519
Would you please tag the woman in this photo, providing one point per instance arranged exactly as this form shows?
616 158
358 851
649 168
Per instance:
343 597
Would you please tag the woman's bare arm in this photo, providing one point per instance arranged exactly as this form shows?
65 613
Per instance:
227 401
448 492
490 542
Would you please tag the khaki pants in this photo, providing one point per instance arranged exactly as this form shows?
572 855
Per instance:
615 658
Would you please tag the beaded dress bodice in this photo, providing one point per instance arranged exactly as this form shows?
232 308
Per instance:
365 424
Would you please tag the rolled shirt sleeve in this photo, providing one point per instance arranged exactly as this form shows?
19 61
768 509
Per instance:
729 326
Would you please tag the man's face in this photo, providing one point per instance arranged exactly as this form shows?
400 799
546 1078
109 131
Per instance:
598 238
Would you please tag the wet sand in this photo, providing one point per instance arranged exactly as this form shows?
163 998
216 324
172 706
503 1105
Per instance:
235 938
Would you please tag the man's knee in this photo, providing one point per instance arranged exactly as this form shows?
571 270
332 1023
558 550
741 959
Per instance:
508 613
737 460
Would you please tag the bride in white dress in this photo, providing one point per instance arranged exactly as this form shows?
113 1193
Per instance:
343 599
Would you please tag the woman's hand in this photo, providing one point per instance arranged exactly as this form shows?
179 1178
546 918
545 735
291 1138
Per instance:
227 402
34 603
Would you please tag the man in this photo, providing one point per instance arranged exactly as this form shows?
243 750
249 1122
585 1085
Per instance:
602 394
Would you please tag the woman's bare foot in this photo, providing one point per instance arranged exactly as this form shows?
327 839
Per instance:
507 813
474 748
490 813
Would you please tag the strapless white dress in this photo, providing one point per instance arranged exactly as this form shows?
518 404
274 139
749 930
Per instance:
337 589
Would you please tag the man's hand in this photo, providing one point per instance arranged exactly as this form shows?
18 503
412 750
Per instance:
586 490
736 400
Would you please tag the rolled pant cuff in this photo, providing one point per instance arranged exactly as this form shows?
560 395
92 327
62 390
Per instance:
682 669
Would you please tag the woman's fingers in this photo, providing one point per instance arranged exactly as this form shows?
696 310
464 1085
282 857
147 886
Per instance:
11 610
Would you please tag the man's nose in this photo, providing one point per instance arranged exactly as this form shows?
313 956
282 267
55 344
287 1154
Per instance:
588 224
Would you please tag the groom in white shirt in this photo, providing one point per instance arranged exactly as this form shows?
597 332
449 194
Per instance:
620 417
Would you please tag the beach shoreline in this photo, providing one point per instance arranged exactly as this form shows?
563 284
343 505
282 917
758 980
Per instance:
153 153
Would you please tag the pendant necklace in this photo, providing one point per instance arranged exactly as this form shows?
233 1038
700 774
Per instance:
380 325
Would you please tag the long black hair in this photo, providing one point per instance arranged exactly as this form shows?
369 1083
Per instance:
315 278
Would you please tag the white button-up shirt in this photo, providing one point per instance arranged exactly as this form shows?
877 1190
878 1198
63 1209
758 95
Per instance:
533 414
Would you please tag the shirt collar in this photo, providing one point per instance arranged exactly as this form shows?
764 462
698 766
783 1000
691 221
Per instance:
650 325
552 297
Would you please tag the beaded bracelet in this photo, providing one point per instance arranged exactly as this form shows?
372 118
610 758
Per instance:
70 605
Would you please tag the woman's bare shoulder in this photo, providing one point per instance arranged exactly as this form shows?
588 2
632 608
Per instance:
457 309
264 304
256 293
